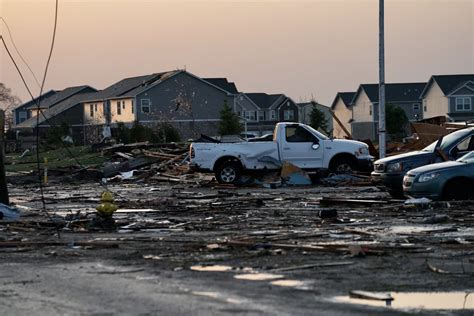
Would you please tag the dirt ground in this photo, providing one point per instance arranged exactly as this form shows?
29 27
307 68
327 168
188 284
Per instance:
286 238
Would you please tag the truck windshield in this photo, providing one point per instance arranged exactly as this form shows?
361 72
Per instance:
315 132
448 140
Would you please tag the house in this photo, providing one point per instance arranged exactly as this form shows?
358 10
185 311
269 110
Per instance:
87 113
190 103
47 100
366 100
22 113
342 108
260 111
449 95
304 114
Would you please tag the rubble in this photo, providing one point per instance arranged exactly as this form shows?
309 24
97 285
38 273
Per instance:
185 225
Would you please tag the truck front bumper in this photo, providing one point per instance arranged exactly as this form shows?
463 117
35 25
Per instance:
365 165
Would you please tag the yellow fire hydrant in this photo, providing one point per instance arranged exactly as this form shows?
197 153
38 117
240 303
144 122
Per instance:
107 206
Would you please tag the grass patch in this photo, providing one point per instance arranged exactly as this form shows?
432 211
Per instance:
56 158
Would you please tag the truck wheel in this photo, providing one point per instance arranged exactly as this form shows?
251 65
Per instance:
342 165
458 189
228 172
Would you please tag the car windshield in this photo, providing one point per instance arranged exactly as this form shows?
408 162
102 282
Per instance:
448 140
315 132
467 158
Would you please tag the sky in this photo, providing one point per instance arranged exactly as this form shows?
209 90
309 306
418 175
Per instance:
304 49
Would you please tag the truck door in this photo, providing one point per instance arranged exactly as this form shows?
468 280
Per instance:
301 147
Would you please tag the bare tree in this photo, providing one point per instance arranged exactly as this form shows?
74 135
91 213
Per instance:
8 102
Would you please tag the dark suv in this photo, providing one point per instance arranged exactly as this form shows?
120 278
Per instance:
390 171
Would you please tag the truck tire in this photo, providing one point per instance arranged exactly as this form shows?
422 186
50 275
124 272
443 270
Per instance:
342 165
228 172
458 189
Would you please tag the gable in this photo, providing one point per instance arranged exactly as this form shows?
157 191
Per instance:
360 99
246 103
463 91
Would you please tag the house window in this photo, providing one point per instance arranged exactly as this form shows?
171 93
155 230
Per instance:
370 109
272 115
416 106
133 108
425 108
288 115
261 115
145 105
91 108
22 116
119 108
463 104
123 105
249 115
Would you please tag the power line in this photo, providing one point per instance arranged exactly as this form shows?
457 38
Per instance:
18 52
38 164
40 111
47 120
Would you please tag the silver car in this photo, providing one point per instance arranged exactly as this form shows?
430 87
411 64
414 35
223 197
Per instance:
450 180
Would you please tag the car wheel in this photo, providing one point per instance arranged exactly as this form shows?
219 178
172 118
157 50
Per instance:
228 172
458 189
342 165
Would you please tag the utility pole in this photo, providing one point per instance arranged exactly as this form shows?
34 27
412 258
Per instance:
3 179
381 128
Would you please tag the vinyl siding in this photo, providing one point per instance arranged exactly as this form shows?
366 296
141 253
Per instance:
344 115
435 101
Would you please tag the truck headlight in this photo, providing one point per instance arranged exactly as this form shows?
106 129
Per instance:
363 151
428 176
395 167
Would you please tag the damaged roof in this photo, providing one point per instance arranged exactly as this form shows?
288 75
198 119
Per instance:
61 95
49 113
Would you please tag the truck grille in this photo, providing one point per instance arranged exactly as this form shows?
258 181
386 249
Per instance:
379 167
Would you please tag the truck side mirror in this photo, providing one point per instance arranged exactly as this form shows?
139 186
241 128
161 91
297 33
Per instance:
315 146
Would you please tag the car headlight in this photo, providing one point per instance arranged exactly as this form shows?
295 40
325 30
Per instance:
363 151
395 167
428 176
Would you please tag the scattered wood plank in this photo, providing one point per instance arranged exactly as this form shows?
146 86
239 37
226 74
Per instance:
316 265
335 200
371 295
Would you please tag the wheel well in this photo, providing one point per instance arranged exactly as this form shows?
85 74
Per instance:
467 180
344 156
225 159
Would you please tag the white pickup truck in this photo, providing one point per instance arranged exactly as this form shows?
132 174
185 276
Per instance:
296 143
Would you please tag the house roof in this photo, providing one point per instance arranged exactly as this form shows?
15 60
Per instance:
43 97
59 96
224 84
448 83
139 87
346 97
394 92
51 112
263 100
468 84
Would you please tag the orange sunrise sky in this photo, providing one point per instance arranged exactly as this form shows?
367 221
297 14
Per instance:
300 48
